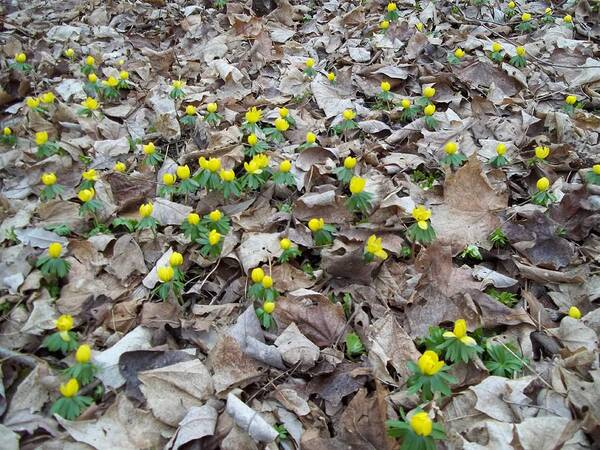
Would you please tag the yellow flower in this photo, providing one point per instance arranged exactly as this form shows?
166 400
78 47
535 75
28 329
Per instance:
501 149
120 167
512 5
64 323
146 209
111 82
316 224
20 58
267 281
281 124
90 103
268 307
212 107
429 110
429 363
214 237
85 195
385 86
92 78
32 103
252 139
285 244
357 185
311 137
124 75
70 388
421 215
428 92
47 97
596 169
252 167
574 312
384 24
421 424
543 184
548 11
190 110
525 17
6 131
177 84
49 179
331 76
257 275
183 172
89 175
83 354
120 62
349 114
349 162
176 259
542 152
285 166
310 63
41 137
169 179
90 61
69 53
227 175
568 19
496 47
54 250
391 7
420 26
213 164
405 103
261 160
460 333
165 274
149 148
283 112
451 148
375 247
570 100
520 51
459 53
193 218
215 215
253 115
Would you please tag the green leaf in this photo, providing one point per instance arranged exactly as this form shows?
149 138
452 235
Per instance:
354 346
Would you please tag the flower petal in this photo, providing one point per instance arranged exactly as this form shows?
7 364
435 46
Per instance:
468 340
449 334
423 225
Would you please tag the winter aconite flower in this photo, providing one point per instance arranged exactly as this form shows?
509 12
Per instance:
49 179
421 231
346 172
570 104
593 176
359 201
86 195
374 249
70 405
269 307
454 58
165 274
63 339
322 232
525 26
148 222
212 117
543 197
453 158
568 21
347 123
214 237
89 105
384 25
497 54
458 345
421 424
152 157
191 227
47 98
541 153
51 189
429 376
83 370
177 90
7 137
83 354
211 243
428 92
20 63
208 176
430 121
257 275
460 333
183 172
89 177
69 53
519 59
349 114
331 77
417 432
500 159
392 12
289 250
283 176
309 70
120 167
168 179
574 312
311 137
176 259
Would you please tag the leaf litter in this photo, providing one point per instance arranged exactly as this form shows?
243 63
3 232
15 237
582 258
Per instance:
212 368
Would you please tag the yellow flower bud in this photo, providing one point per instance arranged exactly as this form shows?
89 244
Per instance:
459 53
111 82
331 76
165 274
349 114
285 166
548 11
496 47
429 363
316 224
501 149
214 164
54 250
90 61
124 75
215 215
253 115
89 175
310 63
92 78
285 244
176 259
311 137
428 92
47 98
542 152
70 388
49 179
349 162
169 179
6 131
384 24
512 5
281 124
69 53
32 103
183 172
85 195
190 110
520 51
146 209
212 107
574 312
41 137
357 185
385 86
405 103
429 110
420 26
570 100
214 237
252 139
193 218
90 103
568 19
227 175
543 184
149 148
177 84
267 282
391 7
421 424
20 58
596 169
83 354
268 307
64 323
257 275
451 148
283 112
525 17
120 167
